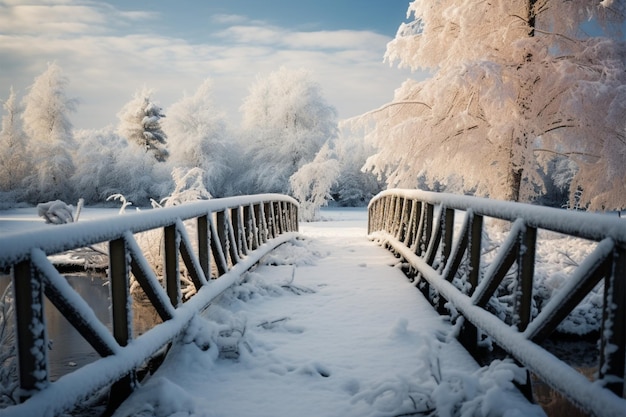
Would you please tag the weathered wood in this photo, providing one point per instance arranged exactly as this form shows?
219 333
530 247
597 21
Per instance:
172 268
121 316
525 273
32 344
612 364
204 252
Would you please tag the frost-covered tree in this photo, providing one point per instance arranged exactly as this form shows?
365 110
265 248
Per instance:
96 174
312 183
109 164
286 120
515 83
140 123
198 138
355 186
13 160
50 139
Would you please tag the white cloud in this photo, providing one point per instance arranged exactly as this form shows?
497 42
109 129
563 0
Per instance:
229 19
105 67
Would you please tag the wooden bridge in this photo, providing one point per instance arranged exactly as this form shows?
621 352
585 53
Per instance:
232 234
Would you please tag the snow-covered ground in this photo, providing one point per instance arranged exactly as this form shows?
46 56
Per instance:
326 326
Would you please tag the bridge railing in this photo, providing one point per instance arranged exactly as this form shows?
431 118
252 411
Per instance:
232 234
420 228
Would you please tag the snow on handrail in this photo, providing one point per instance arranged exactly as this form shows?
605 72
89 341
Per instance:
16 246
236 231
593 226
419 227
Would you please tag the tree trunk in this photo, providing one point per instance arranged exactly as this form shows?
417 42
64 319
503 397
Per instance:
517 161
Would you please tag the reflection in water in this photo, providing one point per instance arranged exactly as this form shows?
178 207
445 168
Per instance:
68 350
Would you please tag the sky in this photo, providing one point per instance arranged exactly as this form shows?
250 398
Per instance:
110 49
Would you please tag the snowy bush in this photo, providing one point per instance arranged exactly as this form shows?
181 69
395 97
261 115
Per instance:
188 186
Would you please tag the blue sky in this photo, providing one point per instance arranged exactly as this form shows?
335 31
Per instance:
110 49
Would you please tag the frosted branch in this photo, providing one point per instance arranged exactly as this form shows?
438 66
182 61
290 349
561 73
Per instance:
393 103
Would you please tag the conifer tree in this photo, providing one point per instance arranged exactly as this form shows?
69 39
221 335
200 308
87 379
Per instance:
140 123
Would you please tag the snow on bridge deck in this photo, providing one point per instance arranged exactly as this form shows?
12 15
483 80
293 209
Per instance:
325 327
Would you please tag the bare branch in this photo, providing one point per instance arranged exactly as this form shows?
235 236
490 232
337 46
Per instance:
566 154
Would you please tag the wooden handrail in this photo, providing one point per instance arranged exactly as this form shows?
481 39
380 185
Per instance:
418 227
236 231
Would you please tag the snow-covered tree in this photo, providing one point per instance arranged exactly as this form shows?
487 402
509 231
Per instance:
515 83
354 187
198 137
140 123
13 160
286 121
50 140
109 164
311 184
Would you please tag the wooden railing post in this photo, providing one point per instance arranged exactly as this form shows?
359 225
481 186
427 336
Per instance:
262 223
268 209
405 216
32 344
254 226
222 233
121 315
412 223
612 364
204 243
447 224
525 273
172 268
239 230
425 229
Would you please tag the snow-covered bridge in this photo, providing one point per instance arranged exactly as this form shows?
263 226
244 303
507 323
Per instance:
328 323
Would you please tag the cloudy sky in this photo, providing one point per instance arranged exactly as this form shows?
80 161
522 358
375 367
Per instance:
109 49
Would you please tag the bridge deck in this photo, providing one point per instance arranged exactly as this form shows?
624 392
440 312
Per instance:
339 333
